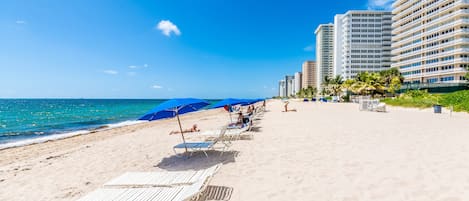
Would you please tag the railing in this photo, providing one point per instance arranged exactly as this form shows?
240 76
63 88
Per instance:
455 84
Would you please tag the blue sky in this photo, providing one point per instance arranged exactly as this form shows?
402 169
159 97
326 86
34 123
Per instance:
158 49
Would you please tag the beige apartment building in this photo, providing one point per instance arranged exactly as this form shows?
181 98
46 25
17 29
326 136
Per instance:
430 42
309 76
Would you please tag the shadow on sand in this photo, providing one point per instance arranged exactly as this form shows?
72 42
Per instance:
217 193
256 129
197 161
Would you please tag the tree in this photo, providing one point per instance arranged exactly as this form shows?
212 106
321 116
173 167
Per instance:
466 76
395 85
332 86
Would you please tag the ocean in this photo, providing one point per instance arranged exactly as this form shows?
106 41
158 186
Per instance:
24 120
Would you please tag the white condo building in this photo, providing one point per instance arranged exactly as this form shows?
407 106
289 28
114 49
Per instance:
282 92
298 80
324 52
362 42
431 40
290 85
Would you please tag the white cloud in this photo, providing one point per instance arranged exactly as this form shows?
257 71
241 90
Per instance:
380 4
309 48
137 67
156 87
20 22
111 72
167 27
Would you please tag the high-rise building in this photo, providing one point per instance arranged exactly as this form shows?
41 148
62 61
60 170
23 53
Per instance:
362 42
282 88
298 77
289 85
431 40
309 76
324 52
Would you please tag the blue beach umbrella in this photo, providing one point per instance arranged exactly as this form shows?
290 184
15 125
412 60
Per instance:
173 108
229 102
249 102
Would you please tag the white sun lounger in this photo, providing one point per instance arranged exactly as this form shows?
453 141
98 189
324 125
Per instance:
162 179
230 135
179 193
132 192
219 143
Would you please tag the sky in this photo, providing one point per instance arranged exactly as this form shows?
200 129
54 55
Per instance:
158 48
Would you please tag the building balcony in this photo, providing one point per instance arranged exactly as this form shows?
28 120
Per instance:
454 71
404 9
459 41
402 29
439 55
426 42
437 64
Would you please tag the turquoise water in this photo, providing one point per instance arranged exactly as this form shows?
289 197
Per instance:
22 119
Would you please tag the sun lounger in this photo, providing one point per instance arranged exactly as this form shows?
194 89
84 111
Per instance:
381 107
178 193
162 179
228 135
219 143
177 189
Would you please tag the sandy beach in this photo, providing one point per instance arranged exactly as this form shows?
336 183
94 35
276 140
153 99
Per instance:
324 151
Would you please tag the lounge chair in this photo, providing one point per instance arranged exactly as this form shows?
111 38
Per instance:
162 179
381 107
228 134
189 188
218 144
178 193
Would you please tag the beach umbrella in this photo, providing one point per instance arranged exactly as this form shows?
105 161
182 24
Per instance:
228 102
173 108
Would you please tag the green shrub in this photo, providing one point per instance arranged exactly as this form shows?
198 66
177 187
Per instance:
415 98
459 100
422 99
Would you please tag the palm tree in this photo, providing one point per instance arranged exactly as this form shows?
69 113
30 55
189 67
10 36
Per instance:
335 85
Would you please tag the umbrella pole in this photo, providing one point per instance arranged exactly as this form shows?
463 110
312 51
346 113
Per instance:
182 133
229 112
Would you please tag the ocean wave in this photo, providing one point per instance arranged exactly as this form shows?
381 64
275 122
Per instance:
59 136
42 139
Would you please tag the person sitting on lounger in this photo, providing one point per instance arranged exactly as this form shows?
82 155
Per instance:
250 110
189 130
239 122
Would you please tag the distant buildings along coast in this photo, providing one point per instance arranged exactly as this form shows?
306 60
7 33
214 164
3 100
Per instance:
428 41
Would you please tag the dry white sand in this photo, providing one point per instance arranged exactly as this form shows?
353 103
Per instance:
322 152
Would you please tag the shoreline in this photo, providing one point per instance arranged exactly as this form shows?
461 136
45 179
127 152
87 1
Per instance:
59 136
73 133
82 137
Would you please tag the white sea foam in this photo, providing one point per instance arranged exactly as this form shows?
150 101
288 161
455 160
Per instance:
42 139
125 123
65 135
